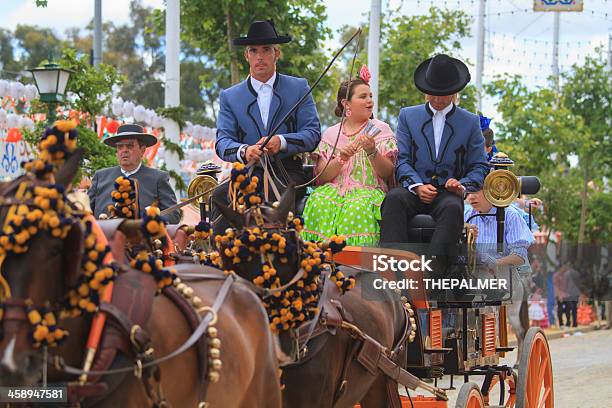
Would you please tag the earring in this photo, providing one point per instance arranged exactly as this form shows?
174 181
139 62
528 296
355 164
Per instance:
348 112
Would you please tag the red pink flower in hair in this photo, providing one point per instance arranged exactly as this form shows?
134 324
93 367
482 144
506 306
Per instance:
364 74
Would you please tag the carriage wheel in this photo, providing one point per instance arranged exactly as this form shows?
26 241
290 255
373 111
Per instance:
535 378
510 391
469 396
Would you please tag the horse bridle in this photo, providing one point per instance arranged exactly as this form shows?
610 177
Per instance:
267 225
15 308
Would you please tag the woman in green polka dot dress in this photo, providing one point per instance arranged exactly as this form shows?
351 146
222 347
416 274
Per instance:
354 176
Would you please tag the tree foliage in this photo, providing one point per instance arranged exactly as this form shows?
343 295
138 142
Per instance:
98 155
92 86
564 138
409 40
588 92
134 49
37 43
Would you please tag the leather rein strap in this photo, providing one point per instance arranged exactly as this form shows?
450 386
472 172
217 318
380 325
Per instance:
263 292
373 356
195 336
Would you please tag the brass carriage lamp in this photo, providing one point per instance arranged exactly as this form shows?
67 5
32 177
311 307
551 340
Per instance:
205 180
501 187
51 81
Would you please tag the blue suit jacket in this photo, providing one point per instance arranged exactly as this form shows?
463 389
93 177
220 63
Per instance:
461 154
239 120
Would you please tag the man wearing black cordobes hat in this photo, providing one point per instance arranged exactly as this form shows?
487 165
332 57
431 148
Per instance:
441 155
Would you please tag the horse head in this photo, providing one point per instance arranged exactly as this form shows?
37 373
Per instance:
274 264
265 218
37 275
265 248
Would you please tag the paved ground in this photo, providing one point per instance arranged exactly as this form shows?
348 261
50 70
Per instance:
582 370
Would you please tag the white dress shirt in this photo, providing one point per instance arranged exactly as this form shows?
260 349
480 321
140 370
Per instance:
438 121
264 92
264 96
129 173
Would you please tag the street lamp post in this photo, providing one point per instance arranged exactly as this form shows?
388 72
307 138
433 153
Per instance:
51 81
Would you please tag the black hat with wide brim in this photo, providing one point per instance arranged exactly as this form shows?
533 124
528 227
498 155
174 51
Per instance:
131 131
441 75
261 33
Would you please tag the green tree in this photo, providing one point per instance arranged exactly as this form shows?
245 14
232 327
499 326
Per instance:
37 44
406 42
92 85
136 51
197 100
538 135
588 91
564 138
98 155
8 64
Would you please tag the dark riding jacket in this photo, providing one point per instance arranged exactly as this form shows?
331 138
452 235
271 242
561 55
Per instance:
461 153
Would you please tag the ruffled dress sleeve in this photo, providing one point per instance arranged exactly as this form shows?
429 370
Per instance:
386 144
326 146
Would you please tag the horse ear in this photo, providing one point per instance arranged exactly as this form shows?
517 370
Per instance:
287 203
235 218
68 171
73 252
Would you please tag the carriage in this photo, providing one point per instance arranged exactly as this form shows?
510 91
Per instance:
480 338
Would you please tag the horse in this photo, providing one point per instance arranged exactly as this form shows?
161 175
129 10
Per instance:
324 370
249 366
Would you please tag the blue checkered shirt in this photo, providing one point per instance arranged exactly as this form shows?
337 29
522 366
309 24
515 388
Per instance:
517 237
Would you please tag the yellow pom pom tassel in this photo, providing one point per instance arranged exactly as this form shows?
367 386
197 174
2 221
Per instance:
65 125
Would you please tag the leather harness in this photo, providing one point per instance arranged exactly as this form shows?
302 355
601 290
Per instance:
124 325
130 311
365 349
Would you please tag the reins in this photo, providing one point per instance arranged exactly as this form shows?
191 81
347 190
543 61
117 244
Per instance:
210 317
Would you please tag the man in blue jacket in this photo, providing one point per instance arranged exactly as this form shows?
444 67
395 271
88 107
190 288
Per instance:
249 110
441 154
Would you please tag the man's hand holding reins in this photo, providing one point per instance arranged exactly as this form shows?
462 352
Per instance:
254 152
273 146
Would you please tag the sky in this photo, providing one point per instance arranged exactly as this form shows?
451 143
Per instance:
518 40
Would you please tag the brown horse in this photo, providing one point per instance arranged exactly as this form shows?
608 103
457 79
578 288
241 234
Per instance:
327 372
249 373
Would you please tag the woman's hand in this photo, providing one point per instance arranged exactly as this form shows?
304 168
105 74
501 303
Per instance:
367 143
348 151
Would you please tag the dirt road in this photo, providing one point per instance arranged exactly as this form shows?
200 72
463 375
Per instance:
582 369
